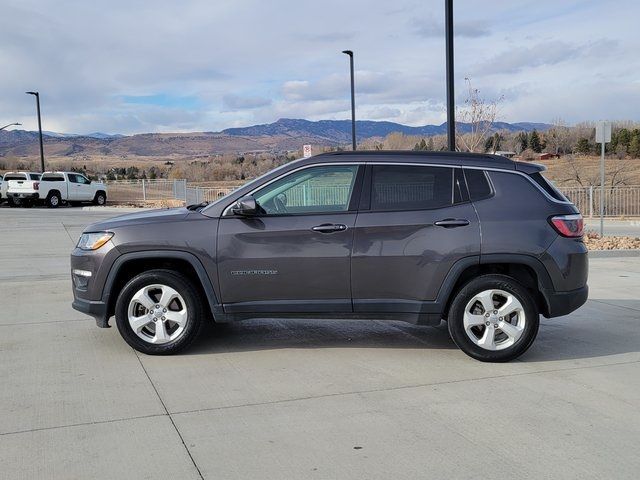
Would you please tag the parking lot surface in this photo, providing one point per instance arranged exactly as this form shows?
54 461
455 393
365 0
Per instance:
267 399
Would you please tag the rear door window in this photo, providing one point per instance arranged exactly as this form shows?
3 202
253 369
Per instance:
409 187
34 176
478 184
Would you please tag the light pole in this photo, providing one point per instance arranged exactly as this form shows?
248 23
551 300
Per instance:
451 120
353 100
37 95
10 125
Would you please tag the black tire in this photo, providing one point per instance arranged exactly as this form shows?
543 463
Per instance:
194 304
53 200
467 293
13 203
100 198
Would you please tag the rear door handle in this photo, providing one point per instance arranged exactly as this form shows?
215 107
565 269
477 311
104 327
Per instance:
452 222
329 228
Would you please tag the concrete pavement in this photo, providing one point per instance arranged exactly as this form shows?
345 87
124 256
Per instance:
276 399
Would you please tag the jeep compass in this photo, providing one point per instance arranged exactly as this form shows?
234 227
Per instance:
482 242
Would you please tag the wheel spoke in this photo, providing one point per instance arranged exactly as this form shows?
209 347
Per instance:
142 297
177 317
488 338
137 323
471 320
486 299
168 295
512 331
161 333
511 305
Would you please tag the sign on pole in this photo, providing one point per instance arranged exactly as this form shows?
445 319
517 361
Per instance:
306 151
603 136
603 132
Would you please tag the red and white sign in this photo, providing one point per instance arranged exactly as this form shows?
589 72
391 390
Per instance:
306 151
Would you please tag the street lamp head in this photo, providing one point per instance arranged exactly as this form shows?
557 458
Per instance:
348 52
32 93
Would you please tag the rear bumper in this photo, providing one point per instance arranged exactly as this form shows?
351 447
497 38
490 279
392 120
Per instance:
23 196
563 303
96 308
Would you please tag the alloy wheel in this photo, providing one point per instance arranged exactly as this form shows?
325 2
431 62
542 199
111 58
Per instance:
157 314
494 319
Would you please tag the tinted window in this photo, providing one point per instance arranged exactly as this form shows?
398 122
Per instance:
34 176
312 190
478 184
547 186
402 187
14 176
52 178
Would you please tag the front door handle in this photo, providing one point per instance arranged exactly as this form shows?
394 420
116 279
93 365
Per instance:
452 222
329 228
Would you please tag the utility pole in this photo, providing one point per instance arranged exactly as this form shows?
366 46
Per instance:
451 121
37 95
353 100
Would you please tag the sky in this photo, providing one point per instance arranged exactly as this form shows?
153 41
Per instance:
204 65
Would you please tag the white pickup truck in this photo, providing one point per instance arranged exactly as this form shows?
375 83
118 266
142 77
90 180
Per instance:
54 188
4 183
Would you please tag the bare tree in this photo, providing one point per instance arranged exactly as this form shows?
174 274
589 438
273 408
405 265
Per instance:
557 137
480 115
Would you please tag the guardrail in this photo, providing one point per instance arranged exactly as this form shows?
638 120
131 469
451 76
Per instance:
622 201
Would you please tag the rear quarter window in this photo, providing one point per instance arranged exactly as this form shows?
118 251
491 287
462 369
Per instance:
547 186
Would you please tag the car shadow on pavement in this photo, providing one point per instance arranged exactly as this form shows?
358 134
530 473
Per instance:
581 335
270 334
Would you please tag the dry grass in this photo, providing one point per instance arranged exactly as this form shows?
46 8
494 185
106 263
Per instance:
567 170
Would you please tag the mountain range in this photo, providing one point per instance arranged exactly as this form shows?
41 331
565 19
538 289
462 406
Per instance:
283 135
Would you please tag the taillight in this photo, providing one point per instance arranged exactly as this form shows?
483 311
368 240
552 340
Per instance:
36 185
568 225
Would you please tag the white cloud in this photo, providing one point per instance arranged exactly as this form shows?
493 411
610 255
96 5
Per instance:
246 61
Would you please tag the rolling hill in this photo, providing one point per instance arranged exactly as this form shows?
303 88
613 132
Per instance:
282 135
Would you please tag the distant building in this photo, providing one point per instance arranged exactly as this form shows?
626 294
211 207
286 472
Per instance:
547 156
505 153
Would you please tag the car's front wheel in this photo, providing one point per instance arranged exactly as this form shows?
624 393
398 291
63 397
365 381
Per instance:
159 312
493 318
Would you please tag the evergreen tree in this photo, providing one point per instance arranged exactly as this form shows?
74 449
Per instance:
583 146
523 141
430 146
634 146
534 142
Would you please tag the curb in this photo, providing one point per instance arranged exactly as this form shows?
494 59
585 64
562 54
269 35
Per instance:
114 209
613 253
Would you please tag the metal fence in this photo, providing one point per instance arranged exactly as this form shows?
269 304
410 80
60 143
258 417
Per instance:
618 201
136 191
621 201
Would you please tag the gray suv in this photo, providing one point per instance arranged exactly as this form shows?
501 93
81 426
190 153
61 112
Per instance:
481 241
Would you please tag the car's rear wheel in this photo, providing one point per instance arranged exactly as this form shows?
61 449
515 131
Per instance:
100 199
159 312
493 318
53 200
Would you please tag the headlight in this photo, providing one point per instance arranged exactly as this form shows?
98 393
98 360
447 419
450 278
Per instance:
94 240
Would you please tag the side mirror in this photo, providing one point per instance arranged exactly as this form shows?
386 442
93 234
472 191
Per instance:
245 206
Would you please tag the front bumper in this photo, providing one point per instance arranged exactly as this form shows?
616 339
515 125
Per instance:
96 308
563 303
